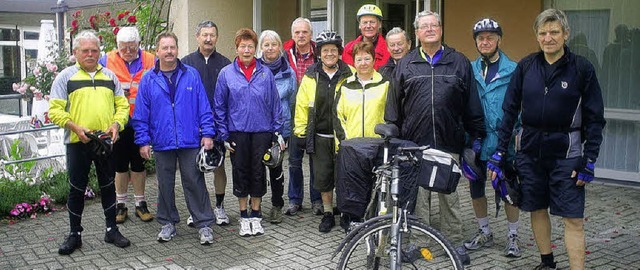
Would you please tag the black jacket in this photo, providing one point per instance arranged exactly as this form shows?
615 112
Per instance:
388 69
208 70
558 112
435 104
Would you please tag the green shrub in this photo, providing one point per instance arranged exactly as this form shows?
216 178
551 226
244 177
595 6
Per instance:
57 187
150 165
14 192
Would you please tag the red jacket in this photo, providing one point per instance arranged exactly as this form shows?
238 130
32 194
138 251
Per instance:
382 53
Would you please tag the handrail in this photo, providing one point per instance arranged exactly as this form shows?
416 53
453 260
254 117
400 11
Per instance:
3 162
29 130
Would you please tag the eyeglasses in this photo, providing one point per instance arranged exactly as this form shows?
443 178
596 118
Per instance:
371 22
366 59
131 48
429 26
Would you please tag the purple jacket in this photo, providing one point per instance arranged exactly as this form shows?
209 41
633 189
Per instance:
246 106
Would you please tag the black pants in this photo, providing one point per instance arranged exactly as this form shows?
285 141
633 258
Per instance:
249 174
276 178
79 158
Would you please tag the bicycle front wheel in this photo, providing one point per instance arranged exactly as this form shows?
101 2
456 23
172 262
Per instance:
423 247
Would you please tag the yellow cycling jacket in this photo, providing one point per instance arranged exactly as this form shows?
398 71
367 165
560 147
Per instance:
360 108
91 103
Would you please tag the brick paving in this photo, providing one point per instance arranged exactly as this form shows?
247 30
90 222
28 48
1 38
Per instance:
612 233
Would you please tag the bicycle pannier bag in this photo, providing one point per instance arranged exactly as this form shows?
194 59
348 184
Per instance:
438 171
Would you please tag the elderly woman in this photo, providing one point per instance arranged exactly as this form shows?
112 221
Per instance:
360 105
314 117
270 49
248 117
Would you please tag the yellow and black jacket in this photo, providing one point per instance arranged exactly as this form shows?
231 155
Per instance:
359 108
94 103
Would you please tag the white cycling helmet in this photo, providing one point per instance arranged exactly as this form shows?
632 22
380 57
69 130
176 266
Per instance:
209 160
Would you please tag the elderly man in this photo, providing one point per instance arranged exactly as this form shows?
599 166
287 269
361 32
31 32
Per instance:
84 98
129 62
301 54
557 95
370 22
433 102
209 62
398 45
174 116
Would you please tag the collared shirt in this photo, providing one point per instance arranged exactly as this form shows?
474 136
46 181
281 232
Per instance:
303 61
133 66
436 56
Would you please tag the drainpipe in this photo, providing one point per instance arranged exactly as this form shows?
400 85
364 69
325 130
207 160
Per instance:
60 9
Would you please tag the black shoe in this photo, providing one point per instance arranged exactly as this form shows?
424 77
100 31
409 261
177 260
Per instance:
328 222
116 238
464 256
71 243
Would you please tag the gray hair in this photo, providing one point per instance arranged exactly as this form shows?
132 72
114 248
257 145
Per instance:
206 24
86 34
398 30
128 34
551 15
302 20
268 34
426 13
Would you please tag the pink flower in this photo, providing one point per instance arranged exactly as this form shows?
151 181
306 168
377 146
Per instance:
32 88
52 67
36 72
72 59
38 95
14 212
15 86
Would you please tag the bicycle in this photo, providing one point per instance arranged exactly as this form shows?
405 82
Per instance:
396 237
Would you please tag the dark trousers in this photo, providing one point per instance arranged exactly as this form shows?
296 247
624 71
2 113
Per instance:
296 177
79 158
276 179
248 172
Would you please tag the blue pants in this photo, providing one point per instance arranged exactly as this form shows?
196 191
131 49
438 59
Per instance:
296 178
193 186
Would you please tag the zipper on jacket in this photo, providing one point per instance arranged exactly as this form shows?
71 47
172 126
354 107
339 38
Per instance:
433 113
363 108
544 102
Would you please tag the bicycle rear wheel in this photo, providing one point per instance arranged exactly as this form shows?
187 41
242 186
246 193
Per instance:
423 247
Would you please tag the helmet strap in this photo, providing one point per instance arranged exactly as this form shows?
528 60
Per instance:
334 66
487 58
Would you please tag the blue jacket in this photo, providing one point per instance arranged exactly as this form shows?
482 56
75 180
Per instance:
562 113
491 96
168 125
287 87
246 106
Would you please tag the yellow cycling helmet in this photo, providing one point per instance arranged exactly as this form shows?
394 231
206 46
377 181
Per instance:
369 9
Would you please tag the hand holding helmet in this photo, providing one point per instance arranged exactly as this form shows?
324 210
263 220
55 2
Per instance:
495 165
210 159
101 144
273 157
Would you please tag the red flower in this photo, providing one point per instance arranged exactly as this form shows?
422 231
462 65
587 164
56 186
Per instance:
107 14
93 26
100 38
116 30
126 13
112 22
74 23
132 19
120 16
77 13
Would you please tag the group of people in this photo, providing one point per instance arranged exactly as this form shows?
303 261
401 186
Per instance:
543 114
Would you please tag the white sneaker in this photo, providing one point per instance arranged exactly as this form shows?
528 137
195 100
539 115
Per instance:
221 216
256 226
167 232
245 227
206 236
190 222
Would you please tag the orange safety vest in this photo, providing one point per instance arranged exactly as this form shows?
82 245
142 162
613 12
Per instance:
117 65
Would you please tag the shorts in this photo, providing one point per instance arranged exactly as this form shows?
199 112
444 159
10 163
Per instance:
324 160
547 183
126 153
477 188
247 169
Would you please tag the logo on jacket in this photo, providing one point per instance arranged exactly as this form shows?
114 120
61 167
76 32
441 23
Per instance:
564 85
189 88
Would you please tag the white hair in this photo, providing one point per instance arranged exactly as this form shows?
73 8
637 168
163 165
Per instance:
268 34
302 20
128 34
86 34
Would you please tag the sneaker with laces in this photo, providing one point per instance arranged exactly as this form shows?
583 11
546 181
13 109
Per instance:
256 226
143 212
122 212
206 236
275 216
327 223
116 238
221 216
190 222
72 242
167 232
543 266
317 208
480 240
512 249
293 209
245 227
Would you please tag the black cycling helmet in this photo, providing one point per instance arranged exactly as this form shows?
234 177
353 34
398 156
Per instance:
486 25
101 144
209 160
273 157
329 37
469 167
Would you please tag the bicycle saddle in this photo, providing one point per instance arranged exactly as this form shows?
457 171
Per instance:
387 130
